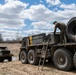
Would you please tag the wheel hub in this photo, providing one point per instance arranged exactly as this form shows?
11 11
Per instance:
22 56
61 60
31 57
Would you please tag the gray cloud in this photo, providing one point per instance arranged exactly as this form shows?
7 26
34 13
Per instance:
11 17
10 13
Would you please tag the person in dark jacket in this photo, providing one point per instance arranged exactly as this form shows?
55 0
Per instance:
62 28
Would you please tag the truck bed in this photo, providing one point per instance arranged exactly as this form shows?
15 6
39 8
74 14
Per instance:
64 44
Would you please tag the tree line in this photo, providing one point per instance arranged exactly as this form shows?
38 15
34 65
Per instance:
16 40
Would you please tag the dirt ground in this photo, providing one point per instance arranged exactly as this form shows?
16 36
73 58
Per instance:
17 68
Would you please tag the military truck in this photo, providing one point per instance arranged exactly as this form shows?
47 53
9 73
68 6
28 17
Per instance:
63 55
5 54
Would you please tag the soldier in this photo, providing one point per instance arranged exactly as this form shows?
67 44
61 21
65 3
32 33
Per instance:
62 28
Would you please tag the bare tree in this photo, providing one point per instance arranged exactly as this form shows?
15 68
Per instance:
1 38
18 37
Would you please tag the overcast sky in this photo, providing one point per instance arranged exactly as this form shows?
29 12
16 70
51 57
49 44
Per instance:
27 17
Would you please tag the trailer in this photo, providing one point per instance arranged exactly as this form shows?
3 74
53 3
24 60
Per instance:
49 47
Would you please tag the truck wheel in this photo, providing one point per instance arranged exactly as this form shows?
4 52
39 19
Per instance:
32 59
63 59
23 57
74 59
10 59
71 29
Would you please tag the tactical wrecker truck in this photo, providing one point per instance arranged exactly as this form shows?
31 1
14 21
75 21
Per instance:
5 54
46 47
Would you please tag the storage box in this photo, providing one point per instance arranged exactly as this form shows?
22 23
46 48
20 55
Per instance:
38 39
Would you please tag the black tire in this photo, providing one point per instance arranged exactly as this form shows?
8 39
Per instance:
23 56
63 59
71 29
50 60
1 60
10 59
74 59
32 59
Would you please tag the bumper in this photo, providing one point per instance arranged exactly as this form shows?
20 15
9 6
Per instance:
7 55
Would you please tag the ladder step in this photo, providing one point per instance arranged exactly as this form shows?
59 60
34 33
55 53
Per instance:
41 60
43 56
